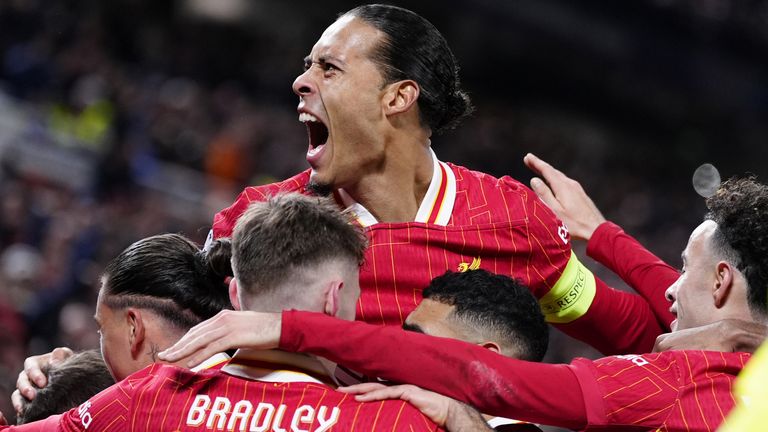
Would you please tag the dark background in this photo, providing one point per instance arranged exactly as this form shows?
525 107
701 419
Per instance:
127 118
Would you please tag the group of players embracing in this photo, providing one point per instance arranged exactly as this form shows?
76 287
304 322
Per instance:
384 289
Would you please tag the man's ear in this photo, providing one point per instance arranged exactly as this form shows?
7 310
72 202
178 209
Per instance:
233 294
137 331
400 97
724 279
332 295
493 346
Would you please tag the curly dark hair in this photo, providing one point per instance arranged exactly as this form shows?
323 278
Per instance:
740 209
496 305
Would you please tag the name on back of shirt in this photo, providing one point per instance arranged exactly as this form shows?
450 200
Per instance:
222 414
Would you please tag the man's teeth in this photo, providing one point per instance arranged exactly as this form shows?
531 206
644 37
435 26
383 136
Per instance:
306 117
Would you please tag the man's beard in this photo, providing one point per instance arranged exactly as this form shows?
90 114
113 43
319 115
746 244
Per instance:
319 189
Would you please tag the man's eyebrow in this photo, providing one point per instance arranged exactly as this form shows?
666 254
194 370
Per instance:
325 58
412 327
329 58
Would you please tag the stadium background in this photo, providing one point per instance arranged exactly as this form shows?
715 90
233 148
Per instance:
126 118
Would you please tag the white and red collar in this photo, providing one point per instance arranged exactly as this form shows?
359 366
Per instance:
212 362
435 208
277 366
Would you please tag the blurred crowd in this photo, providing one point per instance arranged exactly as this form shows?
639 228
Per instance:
120 120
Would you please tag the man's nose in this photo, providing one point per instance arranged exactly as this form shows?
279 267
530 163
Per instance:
671 292
303 85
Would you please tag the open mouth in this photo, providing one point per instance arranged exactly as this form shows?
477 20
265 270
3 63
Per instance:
316 130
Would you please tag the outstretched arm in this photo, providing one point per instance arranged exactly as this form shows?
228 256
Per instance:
492 383
606 242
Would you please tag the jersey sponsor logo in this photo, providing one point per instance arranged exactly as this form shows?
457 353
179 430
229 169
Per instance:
85 417
467 266
243 416
634 358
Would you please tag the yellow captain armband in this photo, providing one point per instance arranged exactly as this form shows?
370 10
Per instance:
571 296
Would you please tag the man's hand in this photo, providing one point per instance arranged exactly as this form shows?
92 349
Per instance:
729 335
565 197
447 413
33 377
227 330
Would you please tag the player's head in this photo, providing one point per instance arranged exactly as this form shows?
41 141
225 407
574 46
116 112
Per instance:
300 252
70 383
413 49
153 292
483 308
725 270
377 73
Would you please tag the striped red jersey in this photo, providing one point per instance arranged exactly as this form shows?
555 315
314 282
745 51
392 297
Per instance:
471 220
669 391
252 392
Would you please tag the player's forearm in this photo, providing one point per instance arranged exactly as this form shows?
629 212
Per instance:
492 383
637 266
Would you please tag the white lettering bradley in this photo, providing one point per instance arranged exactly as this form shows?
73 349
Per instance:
264 418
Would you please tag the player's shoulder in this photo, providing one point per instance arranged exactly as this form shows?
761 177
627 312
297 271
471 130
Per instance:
297 183
503 199
224 221
469 179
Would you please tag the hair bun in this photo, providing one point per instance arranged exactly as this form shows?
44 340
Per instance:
219 259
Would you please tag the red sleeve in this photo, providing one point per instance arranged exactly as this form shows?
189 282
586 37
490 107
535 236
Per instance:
636 390
617 322
639 268
492 383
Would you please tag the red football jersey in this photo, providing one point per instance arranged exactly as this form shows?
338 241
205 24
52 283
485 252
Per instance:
265 391
671 391
471 220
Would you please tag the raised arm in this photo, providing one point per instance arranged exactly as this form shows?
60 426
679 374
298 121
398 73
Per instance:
607 243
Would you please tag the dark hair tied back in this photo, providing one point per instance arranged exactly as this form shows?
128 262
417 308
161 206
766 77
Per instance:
218 259
414 49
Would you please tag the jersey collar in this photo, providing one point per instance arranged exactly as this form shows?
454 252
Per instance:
212 362
435 208
277 366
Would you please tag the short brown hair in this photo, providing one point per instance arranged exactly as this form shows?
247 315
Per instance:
289 232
